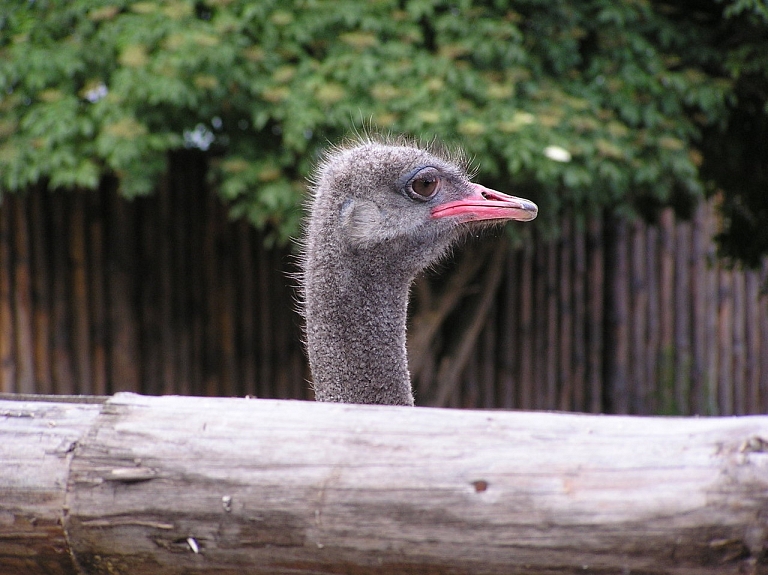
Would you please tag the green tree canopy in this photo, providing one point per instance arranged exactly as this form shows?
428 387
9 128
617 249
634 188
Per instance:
583 104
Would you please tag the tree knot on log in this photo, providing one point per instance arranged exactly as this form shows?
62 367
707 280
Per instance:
16 413
754 444
131 474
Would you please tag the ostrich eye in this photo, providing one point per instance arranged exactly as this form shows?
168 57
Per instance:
424 187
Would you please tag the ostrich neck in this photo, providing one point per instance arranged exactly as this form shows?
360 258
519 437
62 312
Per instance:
356 321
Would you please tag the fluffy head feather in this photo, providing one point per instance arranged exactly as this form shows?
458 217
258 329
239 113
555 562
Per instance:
381 210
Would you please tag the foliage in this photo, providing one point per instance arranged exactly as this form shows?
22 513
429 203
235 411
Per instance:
578 104
736 148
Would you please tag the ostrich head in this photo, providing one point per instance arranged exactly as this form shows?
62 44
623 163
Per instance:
380 213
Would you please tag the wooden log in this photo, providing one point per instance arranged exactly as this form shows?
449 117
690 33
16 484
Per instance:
37 441
172 485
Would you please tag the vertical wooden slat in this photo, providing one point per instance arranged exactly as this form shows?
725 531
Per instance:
7 336
539 317
150 340
63 370
526 331
551 323
185 300
737 345
285 386
469 392
125 361
682 325
22 300
579 369
752 342
617 328
167 253
487 356
80 293
595 313
99 327
725 324
699 358
246 298
665 361
565 318
713 304
265 339
197 269
227 305
638 315
41 291
293 320
191 270
653 326
186 304
763 314
509 344
212 345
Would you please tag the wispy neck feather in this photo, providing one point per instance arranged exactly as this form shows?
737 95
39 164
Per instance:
356 320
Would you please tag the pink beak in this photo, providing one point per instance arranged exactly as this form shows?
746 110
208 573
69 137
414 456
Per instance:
487 204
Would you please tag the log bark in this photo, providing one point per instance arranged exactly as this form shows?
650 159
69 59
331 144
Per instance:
171 485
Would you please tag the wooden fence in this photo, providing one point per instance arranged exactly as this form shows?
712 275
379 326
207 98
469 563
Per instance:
166 295
157 295
623 317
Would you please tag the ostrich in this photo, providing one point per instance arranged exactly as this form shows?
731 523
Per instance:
381 211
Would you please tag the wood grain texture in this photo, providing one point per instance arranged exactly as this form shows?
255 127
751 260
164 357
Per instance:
37 439
192 485
183 485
